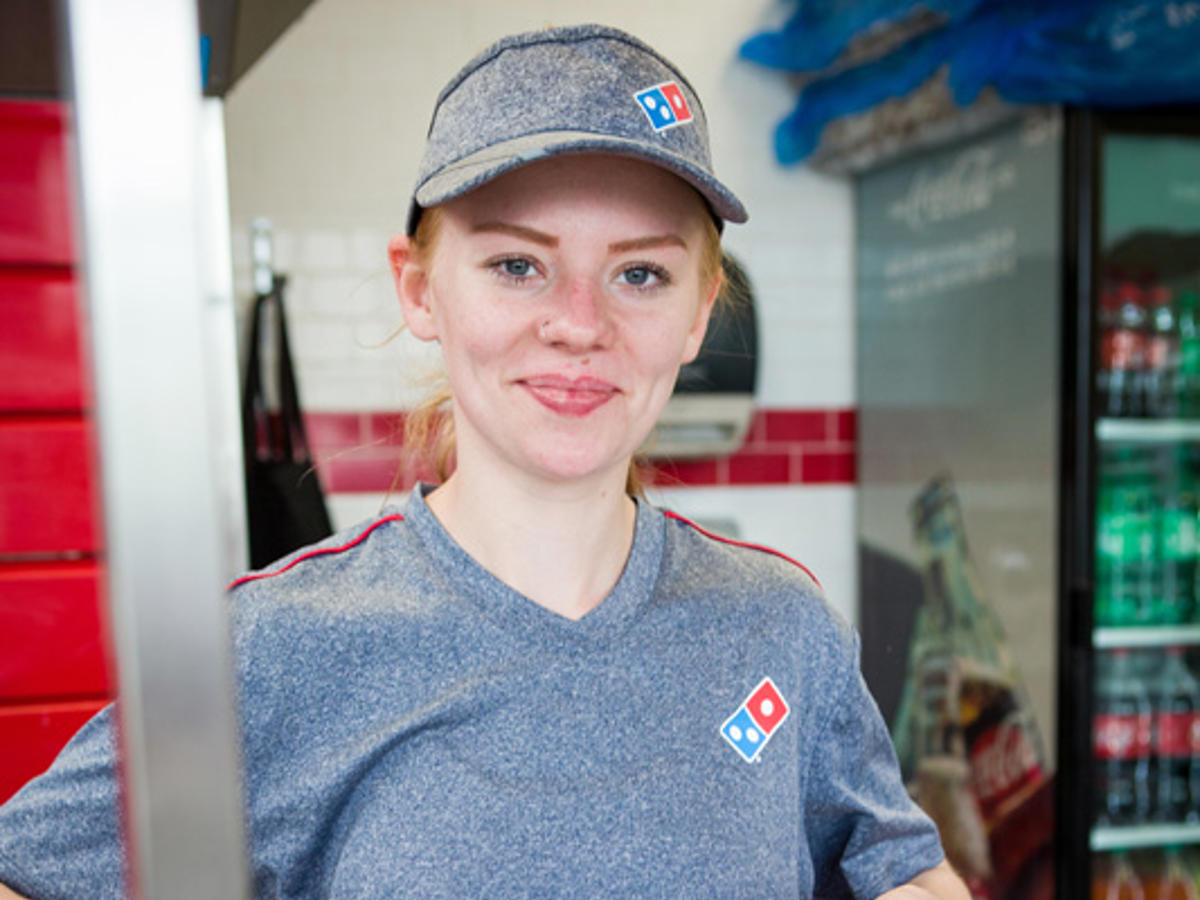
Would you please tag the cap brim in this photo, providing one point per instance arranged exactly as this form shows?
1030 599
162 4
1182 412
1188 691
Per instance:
478 168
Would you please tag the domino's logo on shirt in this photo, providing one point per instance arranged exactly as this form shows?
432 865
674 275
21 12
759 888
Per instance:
759 717
664 105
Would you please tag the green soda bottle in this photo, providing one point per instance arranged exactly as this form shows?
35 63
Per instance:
1110 540
1124 540
1144 541
1108 551
1178 540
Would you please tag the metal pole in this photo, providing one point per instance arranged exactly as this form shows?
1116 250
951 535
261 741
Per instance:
164 414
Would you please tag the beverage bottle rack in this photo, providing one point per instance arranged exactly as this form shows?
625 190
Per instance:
1147 431
1130 837
1106 638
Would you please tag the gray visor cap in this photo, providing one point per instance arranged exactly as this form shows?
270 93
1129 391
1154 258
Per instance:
577 89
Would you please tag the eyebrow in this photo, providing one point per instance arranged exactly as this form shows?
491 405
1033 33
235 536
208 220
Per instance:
549 240
529 234
645 243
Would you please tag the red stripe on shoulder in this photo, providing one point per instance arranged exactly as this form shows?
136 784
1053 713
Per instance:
320 551
725 540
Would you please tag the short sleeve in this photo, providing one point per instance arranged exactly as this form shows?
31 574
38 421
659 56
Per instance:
60 835
867 835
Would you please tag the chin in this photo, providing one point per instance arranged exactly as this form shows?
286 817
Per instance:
579 463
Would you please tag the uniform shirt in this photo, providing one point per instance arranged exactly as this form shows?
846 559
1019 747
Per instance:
414 727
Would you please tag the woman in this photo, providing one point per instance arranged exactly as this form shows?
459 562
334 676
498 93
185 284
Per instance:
528 681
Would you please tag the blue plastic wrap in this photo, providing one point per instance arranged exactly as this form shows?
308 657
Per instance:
998 39
1104 54
1076 52
858 89
819 30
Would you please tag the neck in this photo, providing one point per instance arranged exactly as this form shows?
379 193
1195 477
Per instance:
562 545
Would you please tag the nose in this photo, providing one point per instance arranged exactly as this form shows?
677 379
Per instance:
578 319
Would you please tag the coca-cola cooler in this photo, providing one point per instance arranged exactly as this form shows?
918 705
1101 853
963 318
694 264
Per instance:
1029 486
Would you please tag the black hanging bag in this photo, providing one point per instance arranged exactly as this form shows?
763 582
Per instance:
284 504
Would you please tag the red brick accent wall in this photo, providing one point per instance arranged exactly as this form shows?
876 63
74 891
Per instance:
362 452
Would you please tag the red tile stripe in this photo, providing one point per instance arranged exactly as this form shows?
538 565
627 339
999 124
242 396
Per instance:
361 451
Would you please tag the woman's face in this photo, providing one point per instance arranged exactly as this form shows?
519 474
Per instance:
565 295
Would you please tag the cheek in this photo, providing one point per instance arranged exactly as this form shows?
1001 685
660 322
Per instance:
474 339
683 341
662 350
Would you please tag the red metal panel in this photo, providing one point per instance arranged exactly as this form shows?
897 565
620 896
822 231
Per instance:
46 503
35 217
40 358
30 738
51 632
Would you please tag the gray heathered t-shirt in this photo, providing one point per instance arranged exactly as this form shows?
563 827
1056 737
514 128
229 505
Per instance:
413 727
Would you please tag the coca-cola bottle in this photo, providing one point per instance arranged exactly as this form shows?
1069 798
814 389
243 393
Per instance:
1114 878
1108 326
1160 371
962 682
1188 384
1122 320
1176 741
1121 741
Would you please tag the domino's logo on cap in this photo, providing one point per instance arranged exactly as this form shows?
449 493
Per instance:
664 105
759 717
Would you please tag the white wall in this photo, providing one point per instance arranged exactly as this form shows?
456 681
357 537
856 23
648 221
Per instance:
324 135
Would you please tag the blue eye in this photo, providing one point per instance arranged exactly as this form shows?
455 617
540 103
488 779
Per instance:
517 268
518 271
644 276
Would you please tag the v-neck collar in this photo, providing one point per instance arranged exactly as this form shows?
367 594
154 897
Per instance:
498 600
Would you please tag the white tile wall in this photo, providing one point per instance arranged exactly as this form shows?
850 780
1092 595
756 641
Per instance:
325 132
324 135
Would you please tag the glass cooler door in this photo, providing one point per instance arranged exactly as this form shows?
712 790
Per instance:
1145 839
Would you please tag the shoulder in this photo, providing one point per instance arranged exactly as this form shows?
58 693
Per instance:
691 537
755 583
328 583
299 625
323 574
337 553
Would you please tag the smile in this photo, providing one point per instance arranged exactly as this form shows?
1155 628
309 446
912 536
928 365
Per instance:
569 396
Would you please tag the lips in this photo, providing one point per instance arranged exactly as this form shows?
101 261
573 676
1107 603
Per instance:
569 396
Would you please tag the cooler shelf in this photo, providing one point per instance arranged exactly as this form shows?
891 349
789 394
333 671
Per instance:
1146 636
1149 431
1130 837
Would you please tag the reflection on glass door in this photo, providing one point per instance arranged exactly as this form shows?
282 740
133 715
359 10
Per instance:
958 318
